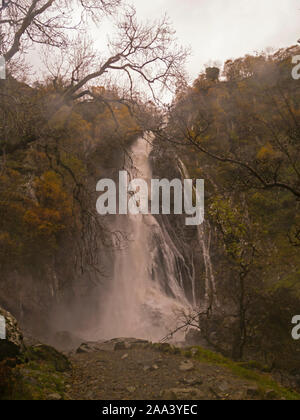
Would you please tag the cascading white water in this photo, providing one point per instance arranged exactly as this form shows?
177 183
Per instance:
210 295
147 291
204 237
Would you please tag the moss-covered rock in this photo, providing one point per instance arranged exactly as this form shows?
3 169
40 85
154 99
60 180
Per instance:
42 352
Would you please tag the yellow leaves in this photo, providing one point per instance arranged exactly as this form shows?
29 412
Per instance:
78 126
76 165
33 212
266 152
51 195
43 221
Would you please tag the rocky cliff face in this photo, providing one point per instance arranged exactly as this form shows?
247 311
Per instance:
12 345
67 291
62 292
204 259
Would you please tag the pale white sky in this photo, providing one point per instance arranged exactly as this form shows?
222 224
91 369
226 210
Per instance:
222 29
216 30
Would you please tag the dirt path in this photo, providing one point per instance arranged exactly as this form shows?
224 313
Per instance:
124 370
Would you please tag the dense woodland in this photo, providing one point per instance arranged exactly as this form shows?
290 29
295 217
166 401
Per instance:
239 130
237 127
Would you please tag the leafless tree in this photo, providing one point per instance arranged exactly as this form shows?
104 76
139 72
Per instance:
48 22
140 55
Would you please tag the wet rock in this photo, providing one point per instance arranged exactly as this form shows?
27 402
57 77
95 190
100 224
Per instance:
86 348
54 397
127 343
122 345
110 345
186 366
223 387
49 354
13 344
193 381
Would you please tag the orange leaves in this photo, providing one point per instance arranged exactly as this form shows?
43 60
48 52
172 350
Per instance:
33 212
43 222
50 193
266 152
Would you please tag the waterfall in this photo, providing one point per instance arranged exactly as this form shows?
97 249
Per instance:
210 293
147 291
204 238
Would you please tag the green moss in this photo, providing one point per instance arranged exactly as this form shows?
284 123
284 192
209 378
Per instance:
37 381
46 353
44 372
262 380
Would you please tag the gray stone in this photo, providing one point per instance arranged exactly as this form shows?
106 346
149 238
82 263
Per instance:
193 381
13 344
122 345
223 386
186 366
84 348
125 356
55 397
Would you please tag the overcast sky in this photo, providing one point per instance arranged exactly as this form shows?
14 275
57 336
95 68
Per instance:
222 29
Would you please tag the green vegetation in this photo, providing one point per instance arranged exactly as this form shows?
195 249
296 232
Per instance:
240 132
44 189
263 381
43 374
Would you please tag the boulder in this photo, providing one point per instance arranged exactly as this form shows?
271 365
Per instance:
87 348
55 397
11 344
114 344
49 354
186 366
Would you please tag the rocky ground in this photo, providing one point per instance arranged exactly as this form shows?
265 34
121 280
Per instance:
127 369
